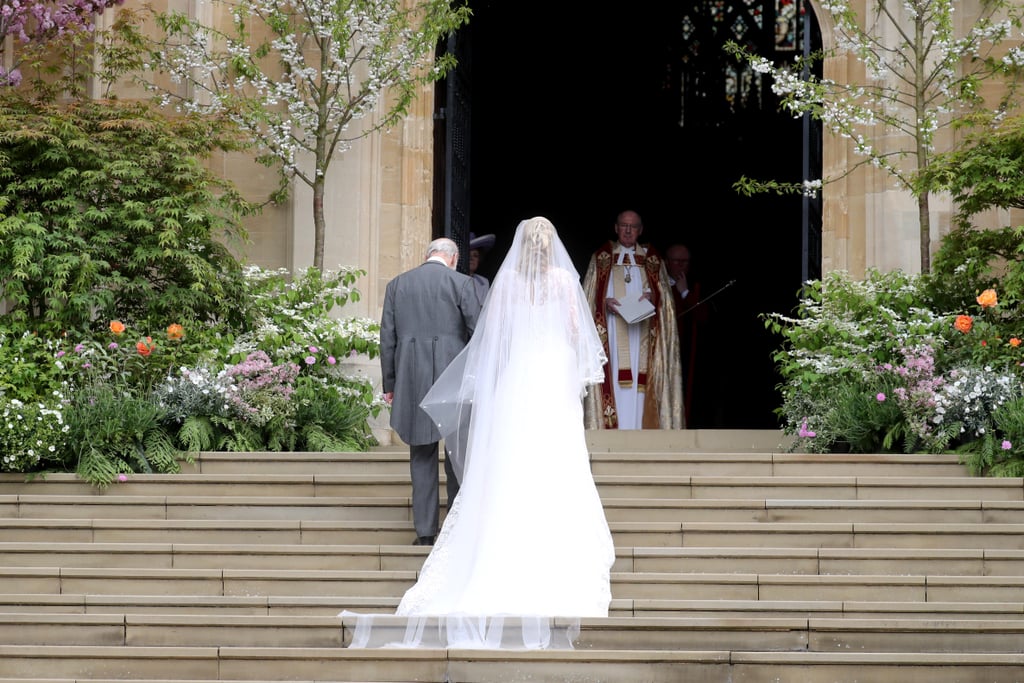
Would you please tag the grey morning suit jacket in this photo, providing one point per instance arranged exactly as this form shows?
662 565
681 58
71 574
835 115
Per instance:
429 314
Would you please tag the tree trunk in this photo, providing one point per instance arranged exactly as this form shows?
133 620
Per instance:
318 222
924 222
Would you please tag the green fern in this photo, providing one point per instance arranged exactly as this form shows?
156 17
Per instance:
160 452
112 433
100 469
197 433
240 437
315 438
978 454
327 420
944 437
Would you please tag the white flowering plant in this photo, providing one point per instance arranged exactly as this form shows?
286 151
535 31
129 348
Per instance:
295 319
32 435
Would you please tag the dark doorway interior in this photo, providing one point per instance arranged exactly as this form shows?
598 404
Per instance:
575 116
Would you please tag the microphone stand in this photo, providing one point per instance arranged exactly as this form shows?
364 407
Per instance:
710 296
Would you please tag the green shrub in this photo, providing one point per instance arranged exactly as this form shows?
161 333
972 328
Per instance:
108 213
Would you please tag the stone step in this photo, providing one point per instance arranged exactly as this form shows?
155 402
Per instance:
640 534
211 663
332 605
114 506
767 464
752 560
391 509
614 463
638 633
610 486
682 441
625 585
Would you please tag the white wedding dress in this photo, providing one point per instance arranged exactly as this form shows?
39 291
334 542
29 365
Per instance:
525 546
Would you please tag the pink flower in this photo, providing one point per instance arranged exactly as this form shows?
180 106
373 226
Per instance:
310 360
804 432
1007 445
112 345
331 360
880 396
122 478
59 354
312 349
79 348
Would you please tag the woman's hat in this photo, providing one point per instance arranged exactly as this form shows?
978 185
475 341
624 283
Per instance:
481 242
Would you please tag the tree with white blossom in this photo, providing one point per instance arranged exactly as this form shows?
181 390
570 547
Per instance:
36 23
295 75
924 73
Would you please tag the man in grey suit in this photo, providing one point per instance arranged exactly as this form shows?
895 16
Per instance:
429 315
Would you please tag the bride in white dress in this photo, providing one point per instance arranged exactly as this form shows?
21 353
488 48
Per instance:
526 540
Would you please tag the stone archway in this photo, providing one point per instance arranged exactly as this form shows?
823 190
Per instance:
576 116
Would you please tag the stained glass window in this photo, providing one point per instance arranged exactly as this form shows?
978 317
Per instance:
710 84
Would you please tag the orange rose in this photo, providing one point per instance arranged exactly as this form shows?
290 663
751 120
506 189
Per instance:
987 299
145 347
117 327
1014 342
964 323
175 331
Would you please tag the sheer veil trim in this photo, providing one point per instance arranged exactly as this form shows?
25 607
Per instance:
497 632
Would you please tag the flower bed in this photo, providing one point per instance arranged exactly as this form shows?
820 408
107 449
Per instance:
124 399
873 365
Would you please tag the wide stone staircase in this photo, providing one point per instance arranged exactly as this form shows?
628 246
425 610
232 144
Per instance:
736 562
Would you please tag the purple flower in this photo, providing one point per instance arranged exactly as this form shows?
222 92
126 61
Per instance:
1007 445
331 360
79 348
880 396
59 354
86 365
13 77
112 345
310 360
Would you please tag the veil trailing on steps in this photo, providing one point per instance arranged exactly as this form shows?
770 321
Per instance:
525 551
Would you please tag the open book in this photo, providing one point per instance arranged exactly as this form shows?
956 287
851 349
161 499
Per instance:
635 310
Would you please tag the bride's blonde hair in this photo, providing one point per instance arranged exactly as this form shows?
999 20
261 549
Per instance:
538 234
